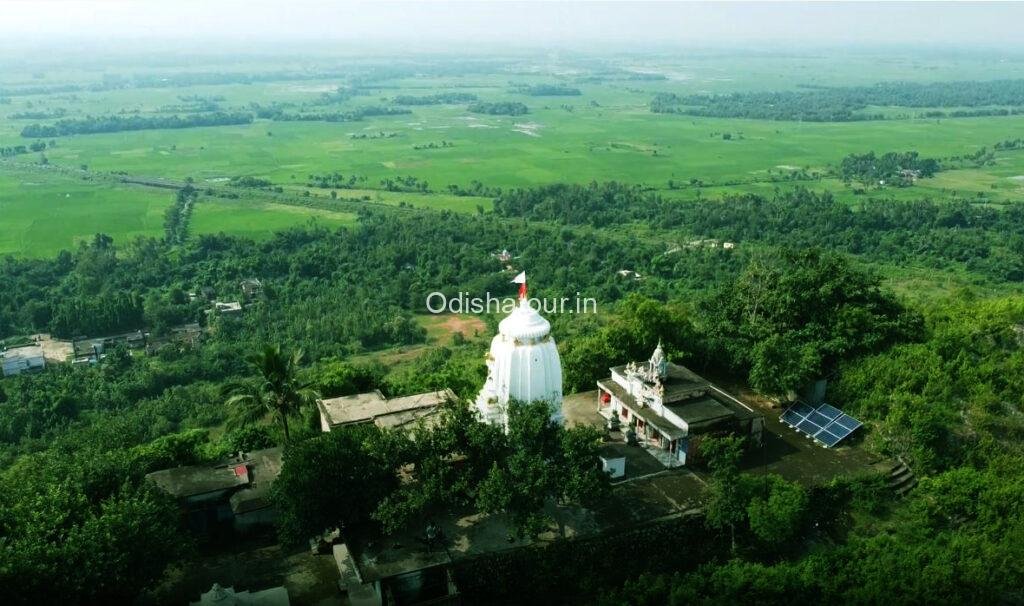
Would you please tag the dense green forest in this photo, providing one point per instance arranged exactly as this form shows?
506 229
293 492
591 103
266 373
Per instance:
982 239
345 291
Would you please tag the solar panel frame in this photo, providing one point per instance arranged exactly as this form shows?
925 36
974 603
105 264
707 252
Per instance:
809 427
802 409
827 439
819 419
847 422
829 411
791 418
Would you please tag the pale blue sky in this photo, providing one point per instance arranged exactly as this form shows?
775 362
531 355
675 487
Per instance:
621 24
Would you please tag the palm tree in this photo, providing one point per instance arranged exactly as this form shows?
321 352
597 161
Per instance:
278 392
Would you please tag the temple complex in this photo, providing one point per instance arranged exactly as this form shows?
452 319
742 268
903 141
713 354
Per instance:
668 409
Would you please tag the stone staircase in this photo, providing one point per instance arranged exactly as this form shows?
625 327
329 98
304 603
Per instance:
901 479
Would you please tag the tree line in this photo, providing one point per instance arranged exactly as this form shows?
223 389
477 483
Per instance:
499 108
437 99
843 104
979 238
112 124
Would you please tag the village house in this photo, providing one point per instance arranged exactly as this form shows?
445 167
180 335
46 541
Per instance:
251 288
232 494
373 407
20 360
226 307
668 408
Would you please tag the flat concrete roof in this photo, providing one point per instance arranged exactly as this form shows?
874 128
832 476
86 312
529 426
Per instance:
257 469
26 352
373 406
691 397
679 381
181 482
701 412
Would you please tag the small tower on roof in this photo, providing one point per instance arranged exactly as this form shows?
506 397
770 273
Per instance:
522 364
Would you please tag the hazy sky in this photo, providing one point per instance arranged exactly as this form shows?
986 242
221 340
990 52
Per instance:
521 23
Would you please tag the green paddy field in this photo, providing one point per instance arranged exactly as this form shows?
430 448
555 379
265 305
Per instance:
605 133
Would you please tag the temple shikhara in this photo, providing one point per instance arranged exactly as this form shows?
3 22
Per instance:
522 364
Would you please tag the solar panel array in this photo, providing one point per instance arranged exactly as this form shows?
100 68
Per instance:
826 424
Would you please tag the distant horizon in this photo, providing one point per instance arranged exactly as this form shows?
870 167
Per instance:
460 27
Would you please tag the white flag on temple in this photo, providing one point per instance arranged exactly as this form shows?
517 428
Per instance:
520 279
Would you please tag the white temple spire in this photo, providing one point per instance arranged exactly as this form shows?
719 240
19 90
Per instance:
522 364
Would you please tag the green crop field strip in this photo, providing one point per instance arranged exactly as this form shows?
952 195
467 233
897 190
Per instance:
257 220
44 213
542 147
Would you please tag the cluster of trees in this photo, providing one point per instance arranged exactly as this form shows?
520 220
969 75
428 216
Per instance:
1017 143
443 144
279 114
12 150
438 99
842 104
335 180
406 184
113 124
890 167
475 188
378 135
595 204
349 477
192 103
548 90
499 108
43 114
794 315
250 181
951 397
86 529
